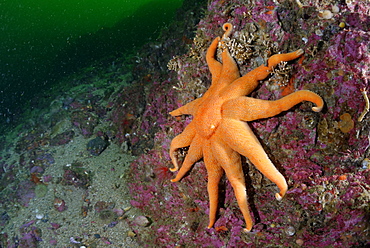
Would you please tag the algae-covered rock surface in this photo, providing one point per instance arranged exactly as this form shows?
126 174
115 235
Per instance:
92 168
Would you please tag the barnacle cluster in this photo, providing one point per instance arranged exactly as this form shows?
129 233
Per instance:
174 64
268 47
192 87
328 196
248 43
199 45
196 87
240 49
311 51
280 75
302 3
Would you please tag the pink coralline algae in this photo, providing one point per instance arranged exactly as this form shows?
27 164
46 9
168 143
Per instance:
327 204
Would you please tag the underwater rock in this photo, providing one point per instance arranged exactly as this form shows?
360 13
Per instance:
41 190
47 178
142 221
76 179
329 208
55 226
346 123
77 175
85 121
106 213
60 205
97 146
103 205
60 127
30 235
62 138
107 216
36 169
40 160
25 192
31 140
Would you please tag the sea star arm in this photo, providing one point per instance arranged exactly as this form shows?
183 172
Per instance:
228 71
194 154
215 172
249 109
182 140
231 163
238 135
246 84
215 67
188 109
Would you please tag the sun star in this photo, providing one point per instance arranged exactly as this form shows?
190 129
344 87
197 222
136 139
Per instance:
219 132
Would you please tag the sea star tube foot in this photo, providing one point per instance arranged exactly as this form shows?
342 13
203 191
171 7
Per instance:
219 132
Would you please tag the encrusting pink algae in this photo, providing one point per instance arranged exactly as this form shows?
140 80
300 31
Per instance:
323 156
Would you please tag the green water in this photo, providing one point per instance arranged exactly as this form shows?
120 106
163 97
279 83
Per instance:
42 41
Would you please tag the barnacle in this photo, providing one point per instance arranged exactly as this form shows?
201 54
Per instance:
270 47
174 64
199 44
240 49
194 88
281 74
326 14
365 164
312 50
321 3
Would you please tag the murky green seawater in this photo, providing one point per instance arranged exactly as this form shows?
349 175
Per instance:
42 41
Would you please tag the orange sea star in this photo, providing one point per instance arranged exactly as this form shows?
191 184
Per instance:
219 133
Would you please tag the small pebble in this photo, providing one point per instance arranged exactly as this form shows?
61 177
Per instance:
335 9
119 211
73 241
299 242
131 234
365 163
142 220
59 205
326 14
112 224
39 216
290 230
319 32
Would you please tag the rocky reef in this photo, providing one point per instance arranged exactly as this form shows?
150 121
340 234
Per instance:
98 155
324 157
